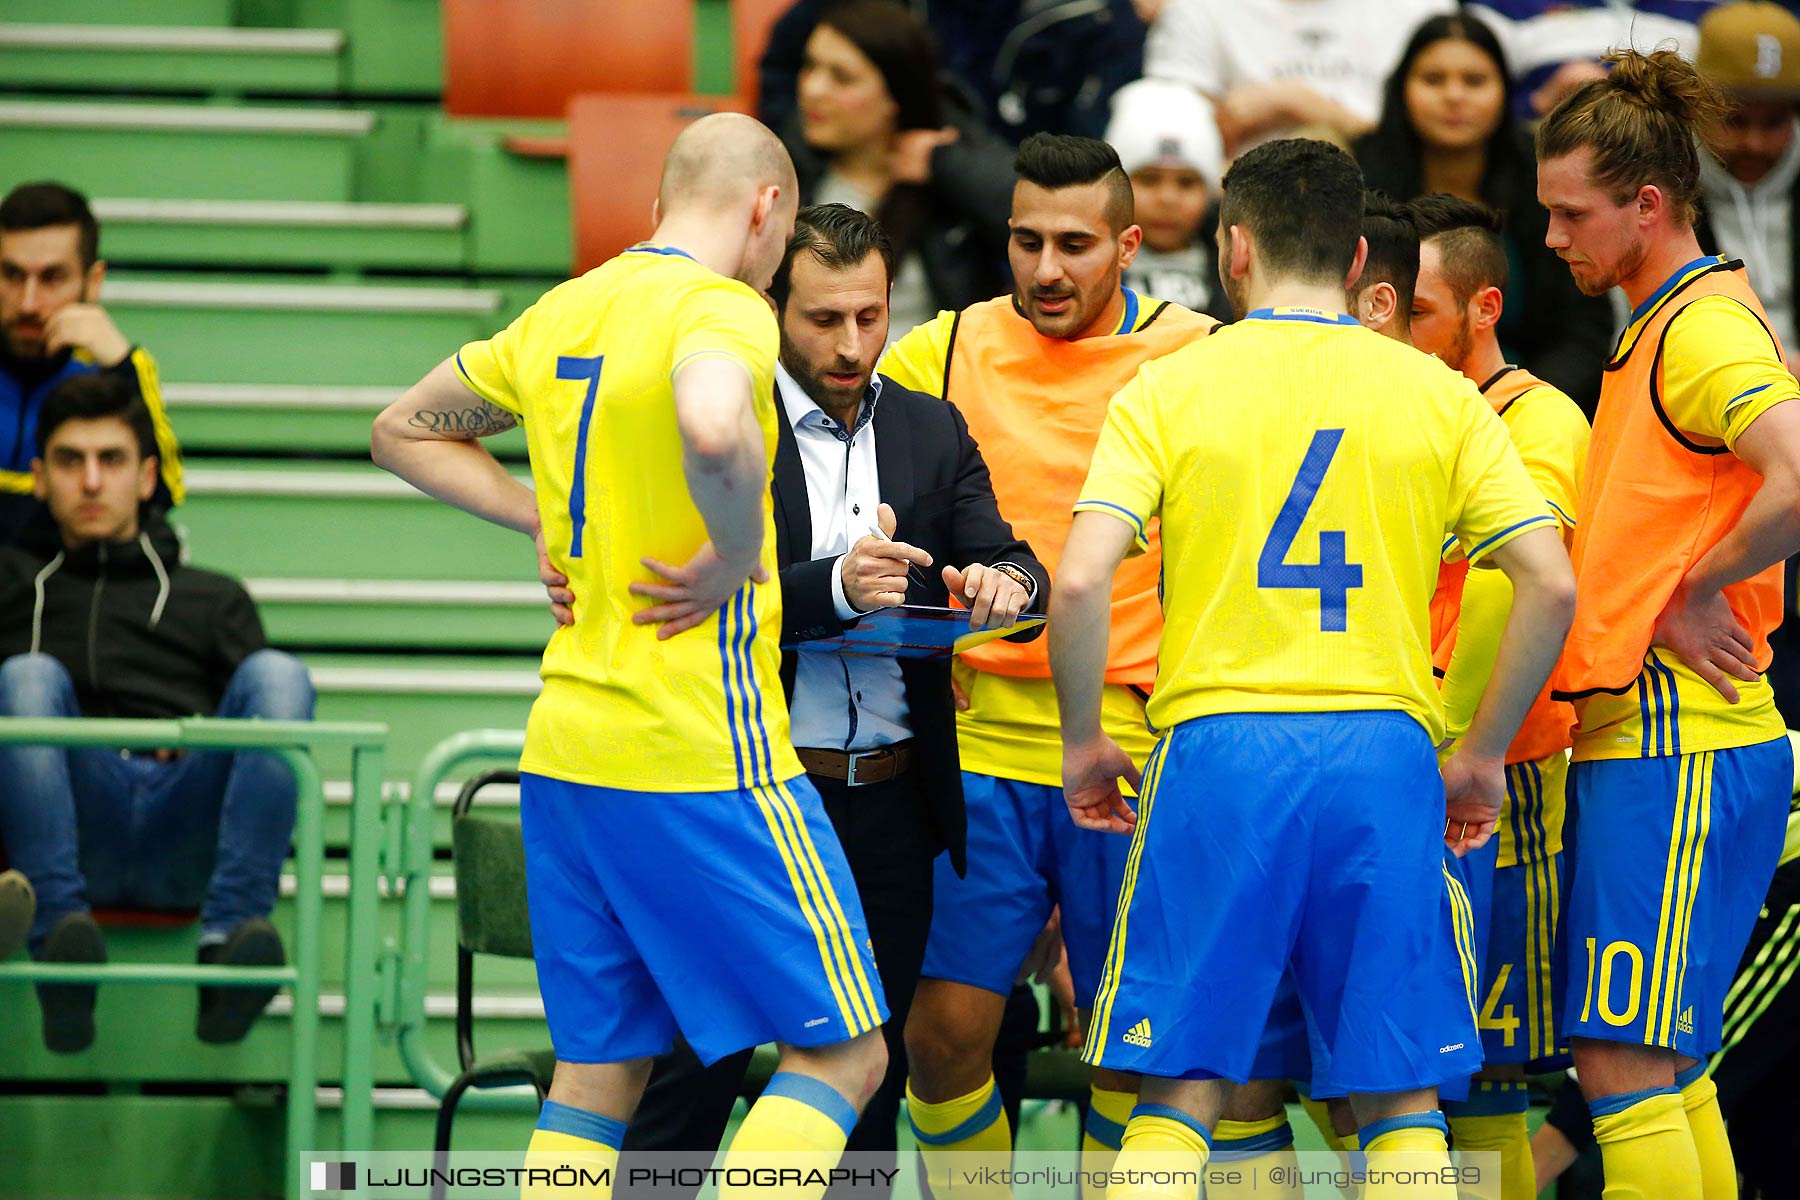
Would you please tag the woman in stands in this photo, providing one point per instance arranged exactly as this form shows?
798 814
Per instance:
1447 125
877 128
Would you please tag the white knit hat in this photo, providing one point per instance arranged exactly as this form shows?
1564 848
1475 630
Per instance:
1157 122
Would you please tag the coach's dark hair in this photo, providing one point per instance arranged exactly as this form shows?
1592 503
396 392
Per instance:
1471 252
43 205
1054 161
1302 200
92 396
1393 251
839 237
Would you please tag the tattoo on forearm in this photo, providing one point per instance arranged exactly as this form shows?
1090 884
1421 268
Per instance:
483 420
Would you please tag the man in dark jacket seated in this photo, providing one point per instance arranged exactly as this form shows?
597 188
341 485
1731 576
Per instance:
99 618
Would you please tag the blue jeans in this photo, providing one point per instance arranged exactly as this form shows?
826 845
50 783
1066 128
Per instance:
102 827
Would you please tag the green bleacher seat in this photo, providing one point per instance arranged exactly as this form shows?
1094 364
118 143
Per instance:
171 58
275 520
208 331
272 233
116 12
408 614
182 151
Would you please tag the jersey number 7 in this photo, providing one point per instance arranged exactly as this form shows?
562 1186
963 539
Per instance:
1332 577
570 367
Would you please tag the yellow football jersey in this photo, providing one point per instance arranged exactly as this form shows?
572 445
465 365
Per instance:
1307 472
1719 373
588 370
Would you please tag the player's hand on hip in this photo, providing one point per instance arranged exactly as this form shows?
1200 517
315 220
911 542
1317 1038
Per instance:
995 599
1703 633
1474 789
556 584
694 591
86 327
875 571
1091 774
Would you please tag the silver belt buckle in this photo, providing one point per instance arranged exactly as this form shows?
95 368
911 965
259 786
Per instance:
856 756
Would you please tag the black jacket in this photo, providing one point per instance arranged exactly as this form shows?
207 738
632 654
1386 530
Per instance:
140 634
932 474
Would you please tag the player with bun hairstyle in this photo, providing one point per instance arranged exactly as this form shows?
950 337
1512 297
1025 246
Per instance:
1682 770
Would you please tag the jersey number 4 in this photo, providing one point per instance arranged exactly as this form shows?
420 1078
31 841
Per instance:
1332 577
570 367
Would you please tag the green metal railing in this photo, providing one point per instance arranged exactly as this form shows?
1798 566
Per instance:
491 746
294 743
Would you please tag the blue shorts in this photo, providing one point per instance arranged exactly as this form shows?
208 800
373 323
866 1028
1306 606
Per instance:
1671 863
729 915
1026 857
1315 838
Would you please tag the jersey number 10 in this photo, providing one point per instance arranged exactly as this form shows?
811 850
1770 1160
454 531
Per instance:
1332 577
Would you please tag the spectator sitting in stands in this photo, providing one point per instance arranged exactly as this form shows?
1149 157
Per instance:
871 132
1751 203
1555 46
1169 145
51 327
1274 68
1447 126
99 618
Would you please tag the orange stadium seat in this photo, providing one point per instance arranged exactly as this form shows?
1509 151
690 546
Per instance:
508 58
751 21
616 148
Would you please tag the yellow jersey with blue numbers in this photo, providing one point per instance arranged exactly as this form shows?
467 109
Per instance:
1307 472
1694 368
1036 405
589 371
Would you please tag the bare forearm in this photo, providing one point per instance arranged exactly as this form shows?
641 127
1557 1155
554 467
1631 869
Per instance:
1079 616
1543 606
1767 533
727 486
463 474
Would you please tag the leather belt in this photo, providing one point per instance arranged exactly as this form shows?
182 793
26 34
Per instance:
855 768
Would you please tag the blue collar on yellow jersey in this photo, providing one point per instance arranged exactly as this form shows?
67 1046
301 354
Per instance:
1129 320
647 248
1316 316
1681 272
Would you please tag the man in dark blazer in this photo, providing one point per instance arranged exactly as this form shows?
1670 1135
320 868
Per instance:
881 498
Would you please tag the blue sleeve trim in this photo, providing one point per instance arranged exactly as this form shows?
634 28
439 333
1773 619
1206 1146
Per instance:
1102 1129
986 1115
815 1094
1176 1115
1418 1120
1129 516
579 1122
1745 395
1607 1106
1557 509
1509 530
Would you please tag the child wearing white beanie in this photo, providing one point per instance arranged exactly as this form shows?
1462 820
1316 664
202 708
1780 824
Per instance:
1168 142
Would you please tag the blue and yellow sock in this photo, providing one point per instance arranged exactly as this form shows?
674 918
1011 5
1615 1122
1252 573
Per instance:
1492 1121
1646 1146
798 1122
1253 1147
969 1132
577 1152
1700 1100
1167 1149
1102 1134
1398 1146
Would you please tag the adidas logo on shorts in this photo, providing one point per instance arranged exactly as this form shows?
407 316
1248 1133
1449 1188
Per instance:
1685 1022
1139 1034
